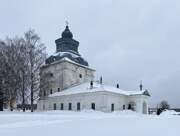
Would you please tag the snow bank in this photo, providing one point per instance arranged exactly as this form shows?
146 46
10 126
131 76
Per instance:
87 123
169 113
127 112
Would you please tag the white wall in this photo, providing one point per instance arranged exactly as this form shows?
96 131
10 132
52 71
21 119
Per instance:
103 101
65 74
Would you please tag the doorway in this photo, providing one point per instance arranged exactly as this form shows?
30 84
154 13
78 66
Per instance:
93 106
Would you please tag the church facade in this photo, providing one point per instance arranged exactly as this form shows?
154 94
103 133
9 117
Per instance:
68 83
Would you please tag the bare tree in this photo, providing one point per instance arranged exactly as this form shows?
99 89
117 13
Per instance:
36 57
8 71
164 105
21 59
23 71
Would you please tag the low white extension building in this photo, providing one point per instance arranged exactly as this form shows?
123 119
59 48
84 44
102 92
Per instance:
67 83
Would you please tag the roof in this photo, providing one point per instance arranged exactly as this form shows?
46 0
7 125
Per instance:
71 55
65 59
85 88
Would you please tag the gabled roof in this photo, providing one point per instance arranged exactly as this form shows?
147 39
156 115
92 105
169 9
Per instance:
85 88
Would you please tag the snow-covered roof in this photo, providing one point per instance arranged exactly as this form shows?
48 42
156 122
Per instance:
62 53
85 88
70 61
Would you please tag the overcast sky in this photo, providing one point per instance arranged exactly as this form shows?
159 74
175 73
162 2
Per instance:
124 40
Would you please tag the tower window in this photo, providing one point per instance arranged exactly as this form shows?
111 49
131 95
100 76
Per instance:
70 106
51 74
93 106
80 75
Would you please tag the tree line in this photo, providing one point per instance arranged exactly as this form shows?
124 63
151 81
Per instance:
20 62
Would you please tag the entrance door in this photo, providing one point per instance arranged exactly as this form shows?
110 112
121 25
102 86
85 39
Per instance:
93 106
132 106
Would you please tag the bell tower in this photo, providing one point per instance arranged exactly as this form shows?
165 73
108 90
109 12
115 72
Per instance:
66 67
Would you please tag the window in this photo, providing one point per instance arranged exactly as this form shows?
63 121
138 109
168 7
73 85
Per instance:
44 93
54 106
43 107
93 106
112 107
80 75
51 74
62 106
124 107
58 89
51 91
78 106
70 106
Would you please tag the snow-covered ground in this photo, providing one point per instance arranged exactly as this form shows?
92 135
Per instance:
88 123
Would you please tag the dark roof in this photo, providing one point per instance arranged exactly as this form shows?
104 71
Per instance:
67 33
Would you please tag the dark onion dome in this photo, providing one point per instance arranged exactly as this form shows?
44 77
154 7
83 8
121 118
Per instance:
67 33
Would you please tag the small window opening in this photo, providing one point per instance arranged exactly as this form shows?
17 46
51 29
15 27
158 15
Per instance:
70 106
124 107
78 106
112 107
62 106
44 93
51 74
54 106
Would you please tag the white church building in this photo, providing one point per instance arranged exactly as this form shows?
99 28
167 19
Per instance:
68 83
